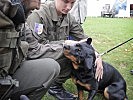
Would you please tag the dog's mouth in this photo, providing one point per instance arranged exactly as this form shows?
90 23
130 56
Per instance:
74 59
70 56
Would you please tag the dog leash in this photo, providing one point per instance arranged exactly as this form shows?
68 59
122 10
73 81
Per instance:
115 47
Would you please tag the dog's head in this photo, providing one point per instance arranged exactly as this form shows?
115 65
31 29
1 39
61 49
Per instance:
81 53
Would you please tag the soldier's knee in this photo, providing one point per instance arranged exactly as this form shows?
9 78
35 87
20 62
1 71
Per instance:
55 66
50 65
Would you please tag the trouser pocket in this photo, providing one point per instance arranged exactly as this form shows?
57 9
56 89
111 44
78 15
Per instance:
5 61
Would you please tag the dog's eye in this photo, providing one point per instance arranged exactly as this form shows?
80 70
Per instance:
78 45
67 47
78 50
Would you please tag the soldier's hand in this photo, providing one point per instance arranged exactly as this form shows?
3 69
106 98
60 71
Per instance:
83 40
99 69
70 42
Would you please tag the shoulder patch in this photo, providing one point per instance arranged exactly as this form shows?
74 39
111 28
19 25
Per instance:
38 28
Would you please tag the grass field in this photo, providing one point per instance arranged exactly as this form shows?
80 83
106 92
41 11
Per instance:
107 33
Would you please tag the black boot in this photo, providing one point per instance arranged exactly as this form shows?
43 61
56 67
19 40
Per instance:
60 93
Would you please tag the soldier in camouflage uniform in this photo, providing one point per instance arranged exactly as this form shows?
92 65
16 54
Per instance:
34 76
52 26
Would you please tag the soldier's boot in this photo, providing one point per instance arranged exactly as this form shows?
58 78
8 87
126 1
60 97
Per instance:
60 93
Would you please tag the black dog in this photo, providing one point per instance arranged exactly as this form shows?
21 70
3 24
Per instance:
82 55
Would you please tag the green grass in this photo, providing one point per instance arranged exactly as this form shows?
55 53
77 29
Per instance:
107 33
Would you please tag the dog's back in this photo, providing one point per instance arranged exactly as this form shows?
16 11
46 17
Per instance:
114 81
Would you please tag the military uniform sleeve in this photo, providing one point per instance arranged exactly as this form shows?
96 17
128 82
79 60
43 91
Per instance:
39 18
31 22
36 50
76 30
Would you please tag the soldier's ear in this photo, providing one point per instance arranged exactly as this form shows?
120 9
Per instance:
89 40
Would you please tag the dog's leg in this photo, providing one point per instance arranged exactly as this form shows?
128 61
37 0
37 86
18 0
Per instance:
80 95
113 92
87 86
106 95
92 94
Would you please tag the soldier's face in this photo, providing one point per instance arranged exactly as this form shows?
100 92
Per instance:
64 6
31 4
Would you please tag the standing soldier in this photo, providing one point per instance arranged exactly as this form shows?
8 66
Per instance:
79 10
32 77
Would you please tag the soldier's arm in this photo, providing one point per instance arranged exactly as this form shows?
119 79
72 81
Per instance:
36 50
76 30
99 69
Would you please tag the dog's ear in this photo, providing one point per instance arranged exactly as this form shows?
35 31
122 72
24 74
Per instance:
89 40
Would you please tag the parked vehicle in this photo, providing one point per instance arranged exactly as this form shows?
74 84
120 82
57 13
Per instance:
107 12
